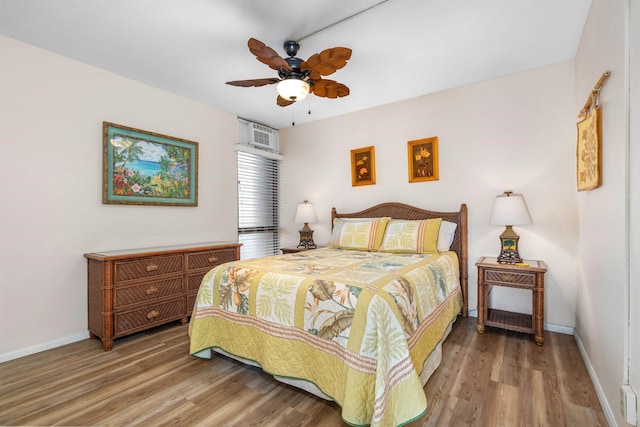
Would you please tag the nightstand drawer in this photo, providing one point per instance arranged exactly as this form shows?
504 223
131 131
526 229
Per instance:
509 278
147 267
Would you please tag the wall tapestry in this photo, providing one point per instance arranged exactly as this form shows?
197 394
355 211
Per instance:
146 168
589 151
589 146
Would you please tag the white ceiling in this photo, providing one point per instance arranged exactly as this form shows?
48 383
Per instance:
401 48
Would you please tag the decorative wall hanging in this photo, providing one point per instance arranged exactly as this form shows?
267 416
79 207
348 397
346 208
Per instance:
589 140
423 159
146 168
589 152
363 166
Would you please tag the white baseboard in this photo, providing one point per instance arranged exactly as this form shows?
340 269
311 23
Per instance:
606 408
560 329
42 347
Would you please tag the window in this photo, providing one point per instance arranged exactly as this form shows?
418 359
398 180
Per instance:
258 204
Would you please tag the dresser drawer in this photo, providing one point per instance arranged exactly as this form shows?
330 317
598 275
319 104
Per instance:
147 267
193 281
159 289
209 259
150 315
509 278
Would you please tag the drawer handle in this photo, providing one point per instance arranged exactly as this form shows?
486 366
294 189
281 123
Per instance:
152 291
508 277
153 314
213 259
152 267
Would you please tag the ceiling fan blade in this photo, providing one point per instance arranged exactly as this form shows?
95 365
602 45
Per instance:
283 102
254 82
325 88
328 61
266 55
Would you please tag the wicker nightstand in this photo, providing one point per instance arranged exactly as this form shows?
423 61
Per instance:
531 277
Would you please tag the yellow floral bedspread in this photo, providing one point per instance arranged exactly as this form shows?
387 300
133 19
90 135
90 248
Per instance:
355 324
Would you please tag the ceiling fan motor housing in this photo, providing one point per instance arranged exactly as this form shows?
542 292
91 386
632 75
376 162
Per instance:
283 73
291 47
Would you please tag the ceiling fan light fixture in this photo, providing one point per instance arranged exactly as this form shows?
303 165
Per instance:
293 89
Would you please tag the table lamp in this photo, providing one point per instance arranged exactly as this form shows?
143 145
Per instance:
509 209
306 214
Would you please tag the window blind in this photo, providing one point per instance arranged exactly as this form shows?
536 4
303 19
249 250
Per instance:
258 205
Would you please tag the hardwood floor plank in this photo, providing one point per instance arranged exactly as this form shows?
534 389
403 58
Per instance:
440 413
505 409
149 379
498 360
573 378
540 414
512 371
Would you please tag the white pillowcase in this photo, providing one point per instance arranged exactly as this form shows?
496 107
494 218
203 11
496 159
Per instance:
445 235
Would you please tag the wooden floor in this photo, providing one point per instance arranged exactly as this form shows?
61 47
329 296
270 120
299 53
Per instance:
499 378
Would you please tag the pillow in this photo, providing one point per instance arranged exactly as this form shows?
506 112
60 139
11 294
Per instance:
361 234
411 236
445 236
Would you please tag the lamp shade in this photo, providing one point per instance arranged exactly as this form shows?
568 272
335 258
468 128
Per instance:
306 213
292 89
510 209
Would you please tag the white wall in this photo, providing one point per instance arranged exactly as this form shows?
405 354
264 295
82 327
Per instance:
634 199
51 114
601 322
516 132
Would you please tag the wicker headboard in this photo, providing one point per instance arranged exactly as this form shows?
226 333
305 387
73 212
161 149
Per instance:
402 211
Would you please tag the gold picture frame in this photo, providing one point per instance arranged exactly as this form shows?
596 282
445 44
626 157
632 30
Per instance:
589 151
363 166
423 159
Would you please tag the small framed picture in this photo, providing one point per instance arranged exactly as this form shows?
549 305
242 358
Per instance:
363 166
423 159
146 168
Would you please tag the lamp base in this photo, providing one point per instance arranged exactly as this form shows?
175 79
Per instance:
306 238
509 247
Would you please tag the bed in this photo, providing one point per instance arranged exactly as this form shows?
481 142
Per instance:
360 322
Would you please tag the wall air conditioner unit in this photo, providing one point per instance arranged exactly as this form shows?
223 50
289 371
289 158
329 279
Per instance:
258 136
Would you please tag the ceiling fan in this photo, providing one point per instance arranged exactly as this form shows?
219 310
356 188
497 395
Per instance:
297 78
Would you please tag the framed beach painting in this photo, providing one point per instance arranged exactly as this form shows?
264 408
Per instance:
423 159
146 168
363 166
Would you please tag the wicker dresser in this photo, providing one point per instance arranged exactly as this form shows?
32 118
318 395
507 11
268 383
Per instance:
133 290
